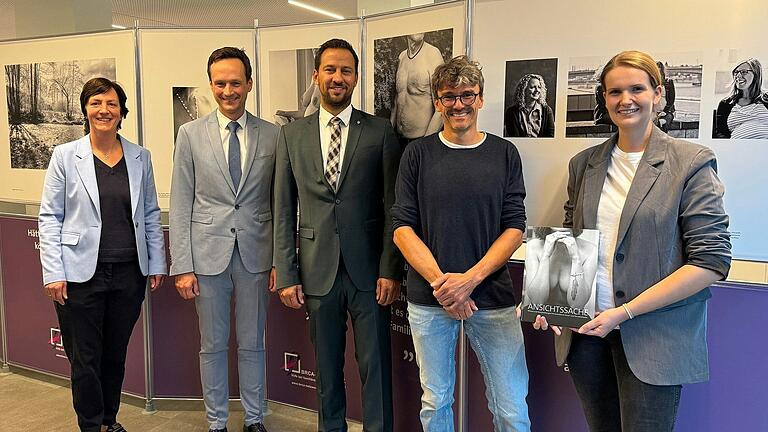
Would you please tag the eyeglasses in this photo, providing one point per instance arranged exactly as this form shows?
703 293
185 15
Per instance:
741 72
466 99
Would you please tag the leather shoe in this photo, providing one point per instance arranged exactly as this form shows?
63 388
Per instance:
256 427
117 427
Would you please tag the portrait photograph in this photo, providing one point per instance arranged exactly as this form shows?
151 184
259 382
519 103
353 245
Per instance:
190 103
742 102
44 106
530 95
678 112
560 270
403 67
295 95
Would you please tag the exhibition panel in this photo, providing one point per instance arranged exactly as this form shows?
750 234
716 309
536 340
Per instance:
39 103
175 88
176 344
286 62
34 339
698 65
386 42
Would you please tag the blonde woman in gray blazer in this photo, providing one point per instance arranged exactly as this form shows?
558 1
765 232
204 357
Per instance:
664 239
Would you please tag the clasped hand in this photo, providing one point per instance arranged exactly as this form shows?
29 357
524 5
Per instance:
452 291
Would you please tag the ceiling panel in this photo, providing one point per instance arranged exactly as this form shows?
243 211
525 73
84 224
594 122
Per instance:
223 13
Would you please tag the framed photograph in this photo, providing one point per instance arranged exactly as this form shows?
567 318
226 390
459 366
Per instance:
287 61
176 89
40 104
530 98
402 52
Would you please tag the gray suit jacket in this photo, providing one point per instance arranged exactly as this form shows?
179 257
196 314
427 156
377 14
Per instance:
207 214
673 216
353 223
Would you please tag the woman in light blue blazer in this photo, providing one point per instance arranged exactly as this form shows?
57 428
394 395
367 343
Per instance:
658 204
100 236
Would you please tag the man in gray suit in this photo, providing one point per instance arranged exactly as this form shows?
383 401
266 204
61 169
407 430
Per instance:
221 234
340 164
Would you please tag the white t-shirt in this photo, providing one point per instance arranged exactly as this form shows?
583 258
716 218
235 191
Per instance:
621 171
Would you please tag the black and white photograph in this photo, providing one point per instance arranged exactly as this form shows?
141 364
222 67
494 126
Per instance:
678 113
529 98
742 108
44 106
560 269
403 67
190 103
298 95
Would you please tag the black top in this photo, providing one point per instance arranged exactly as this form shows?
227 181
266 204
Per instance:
459 201
118 241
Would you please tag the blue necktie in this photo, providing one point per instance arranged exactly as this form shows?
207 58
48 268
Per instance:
235 171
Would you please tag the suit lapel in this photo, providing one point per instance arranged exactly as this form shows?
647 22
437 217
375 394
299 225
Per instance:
353 137
214 139
253 141
314 149
594 178
646 175
87 171
132 157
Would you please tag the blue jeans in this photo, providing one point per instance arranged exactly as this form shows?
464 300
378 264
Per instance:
497 339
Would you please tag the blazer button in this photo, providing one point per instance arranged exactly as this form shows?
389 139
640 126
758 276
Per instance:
620 257
232 230
338 201
237 206
619 294
136 224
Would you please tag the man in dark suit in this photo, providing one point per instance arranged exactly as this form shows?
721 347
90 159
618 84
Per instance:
340 164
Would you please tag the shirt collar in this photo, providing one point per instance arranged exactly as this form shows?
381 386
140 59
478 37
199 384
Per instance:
224 120
325 116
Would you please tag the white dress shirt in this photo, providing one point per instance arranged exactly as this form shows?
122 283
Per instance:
326 130
224 132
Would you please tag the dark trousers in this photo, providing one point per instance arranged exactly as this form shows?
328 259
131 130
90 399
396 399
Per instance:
328 327
96 322
613 398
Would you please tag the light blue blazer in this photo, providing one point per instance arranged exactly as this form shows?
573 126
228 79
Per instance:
70 214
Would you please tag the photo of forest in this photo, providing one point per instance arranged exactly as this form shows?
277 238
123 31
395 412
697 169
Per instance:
44 106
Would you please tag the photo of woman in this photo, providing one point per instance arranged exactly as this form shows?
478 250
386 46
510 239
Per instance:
743 114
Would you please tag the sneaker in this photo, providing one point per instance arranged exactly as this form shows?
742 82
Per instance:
117 427
218 430
256 427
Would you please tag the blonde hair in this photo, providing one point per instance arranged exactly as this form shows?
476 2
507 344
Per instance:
637 60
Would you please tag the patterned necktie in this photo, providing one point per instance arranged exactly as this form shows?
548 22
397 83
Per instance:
235 171
334 151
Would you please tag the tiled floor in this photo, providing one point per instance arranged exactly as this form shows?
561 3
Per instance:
33 402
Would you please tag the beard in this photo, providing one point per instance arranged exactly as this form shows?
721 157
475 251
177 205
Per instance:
340 102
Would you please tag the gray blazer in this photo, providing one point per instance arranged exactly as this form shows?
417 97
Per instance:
673 216
207 214
354 222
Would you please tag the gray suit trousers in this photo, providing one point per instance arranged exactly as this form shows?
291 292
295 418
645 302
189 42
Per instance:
213 310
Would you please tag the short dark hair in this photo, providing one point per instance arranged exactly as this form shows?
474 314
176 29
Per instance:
229 53
338 44
97 86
